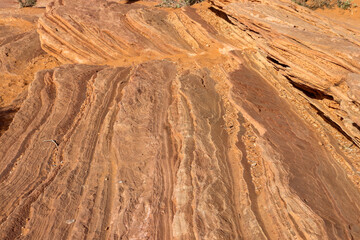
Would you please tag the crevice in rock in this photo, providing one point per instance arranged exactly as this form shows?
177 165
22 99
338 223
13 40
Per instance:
334 124
356 126
276 62
356 104
6 117
253 31
221 14
309 91
131 1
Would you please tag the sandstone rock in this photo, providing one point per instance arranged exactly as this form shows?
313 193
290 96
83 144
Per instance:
161 129
314 58
9 4
43 3
353 82
20 51
160 114
21 54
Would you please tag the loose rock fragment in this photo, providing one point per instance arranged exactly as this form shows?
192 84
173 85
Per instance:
70 221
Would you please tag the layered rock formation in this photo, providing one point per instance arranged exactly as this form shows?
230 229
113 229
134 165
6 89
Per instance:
225 120
21 56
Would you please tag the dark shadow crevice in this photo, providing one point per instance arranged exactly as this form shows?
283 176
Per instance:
221 14
276 62
309 91
6 117
334 125
356 126
131 1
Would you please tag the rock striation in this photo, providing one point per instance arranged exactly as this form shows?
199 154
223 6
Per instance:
21 56
225 120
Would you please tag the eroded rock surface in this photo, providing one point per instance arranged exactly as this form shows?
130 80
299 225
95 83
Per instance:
21 55
235 120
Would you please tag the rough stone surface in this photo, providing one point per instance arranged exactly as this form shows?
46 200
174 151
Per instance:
225 120
21 55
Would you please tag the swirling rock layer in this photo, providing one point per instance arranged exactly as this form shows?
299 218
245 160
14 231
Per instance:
220 121
21 56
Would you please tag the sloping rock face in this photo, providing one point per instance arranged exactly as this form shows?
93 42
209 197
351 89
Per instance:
19 40
312 54
219 121
21 56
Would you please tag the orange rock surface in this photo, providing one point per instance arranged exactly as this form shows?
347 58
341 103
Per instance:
224 120
21 56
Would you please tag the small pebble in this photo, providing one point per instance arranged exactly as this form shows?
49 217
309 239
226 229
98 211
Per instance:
120 182
70 221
